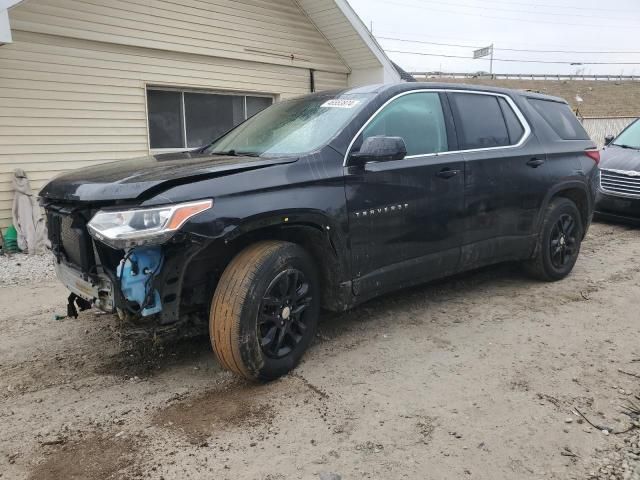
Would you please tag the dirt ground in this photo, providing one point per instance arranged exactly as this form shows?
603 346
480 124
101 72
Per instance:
472 377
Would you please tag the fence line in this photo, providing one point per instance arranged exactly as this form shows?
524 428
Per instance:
526 76
599 127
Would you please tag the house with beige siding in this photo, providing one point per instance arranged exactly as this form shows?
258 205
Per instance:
89 81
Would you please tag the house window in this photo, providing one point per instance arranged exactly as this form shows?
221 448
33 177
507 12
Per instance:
188 119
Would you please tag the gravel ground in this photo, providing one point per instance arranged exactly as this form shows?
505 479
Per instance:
22 269
621 461
475 377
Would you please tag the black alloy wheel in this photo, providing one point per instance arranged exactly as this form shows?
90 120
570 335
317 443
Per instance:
562 241
282 316
265 310
559 241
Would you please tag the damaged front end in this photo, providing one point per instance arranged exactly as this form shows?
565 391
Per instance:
124 260
136 275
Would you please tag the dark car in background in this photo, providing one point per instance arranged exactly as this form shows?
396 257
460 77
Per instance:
325 201
618 197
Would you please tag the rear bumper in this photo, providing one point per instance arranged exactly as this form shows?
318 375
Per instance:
617 208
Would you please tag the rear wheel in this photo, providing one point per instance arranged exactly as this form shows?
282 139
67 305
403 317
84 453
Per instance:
559 241
265 310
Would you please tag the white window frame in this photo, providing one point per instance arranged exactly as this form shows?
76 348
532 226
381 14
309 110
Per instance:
182 91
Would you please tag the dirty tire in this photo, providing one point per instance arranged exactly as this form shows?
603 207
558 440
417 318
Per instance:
545 266
239 303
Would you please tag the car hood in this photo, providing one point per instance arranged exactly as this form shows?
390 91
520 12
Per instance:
132 179
622 159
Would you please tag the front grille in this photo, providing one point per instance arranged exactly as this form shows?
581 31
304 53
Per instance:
70 238
618 183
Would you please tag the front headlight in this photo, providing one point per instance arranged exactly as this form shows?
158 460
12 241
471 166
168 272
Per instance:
122 229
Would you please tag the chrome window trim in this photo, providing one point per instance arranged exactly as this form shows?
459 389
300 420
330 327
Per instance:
509 100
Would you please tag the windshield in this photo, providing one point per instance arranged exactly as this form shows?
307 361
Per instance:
630 137
292 127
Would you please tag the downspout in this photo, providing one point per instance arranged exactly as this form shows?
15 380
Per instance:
312 80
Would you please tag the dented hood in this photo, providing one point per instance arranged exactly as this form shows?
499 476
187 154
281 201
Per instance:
132 179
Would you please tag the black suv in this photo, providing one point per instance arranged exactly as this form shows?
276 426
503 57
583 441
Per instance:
325 201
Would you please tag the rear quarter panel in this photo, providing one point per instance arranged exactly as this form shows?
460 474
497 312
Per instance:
567 166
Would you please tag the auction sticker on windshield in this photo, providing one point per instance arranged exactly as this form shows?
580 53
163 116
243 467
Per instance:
337 103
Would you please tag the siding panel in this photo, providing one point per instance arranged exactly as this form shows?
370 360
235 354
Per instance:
328 17
72 160
330 81
103 57
60 113
71 75
273 32
212 28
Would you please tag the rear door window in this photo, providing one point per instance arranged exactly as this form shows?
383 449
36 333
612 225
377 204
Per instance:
417 118
560 118
479 121
514 127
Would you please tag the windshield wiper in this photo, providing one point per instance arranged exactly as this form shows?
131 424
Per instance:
234 153
622 145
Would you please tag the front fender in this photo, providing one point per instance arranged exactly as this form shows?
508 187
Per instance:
281 218
231 219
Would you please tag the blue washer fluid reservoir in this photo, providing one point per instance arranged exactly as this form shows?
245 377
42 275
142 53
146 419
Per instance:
136 278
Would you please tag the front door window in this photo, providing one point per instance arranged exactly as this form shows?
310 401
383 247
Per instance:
417 118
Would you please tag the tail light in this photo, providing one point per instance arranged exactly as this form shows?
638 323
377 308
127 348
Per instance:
593 155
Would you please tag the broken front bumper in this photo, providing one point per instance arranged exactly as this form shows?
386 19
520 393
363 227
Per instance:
97 289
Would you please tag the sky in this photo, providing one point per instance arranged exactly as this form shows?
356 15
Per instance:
594 31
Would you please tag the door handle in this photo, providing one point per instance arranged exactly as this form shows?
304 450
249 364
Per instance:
535 162
447 173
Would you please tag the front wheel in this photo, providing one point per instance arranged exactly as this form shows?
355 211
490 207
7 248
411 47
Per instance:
265 310
559 242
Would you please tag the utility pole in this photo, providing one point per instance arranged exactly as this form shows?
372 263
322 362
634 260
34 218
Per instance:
491 62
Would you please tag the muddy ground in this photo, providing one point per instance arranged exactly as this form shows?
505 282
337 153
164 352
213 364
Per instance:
472 377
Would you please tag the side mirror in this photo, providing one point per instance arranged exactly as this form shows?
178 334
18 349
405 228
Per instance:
380 149
608 139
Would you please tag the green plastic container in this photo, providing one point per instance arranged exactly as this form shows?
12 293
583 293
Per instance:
11 240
